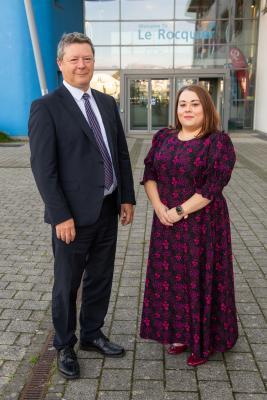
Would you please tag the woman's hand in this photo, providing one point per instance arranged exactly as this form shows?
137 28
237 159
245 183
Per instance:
174 217
162 213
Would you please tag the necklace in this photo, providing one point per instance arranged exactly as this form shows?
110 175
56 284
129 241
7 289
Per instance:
185 137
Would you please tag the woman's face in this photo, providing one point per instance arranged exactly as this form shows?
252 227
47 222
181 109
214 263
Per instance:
190 111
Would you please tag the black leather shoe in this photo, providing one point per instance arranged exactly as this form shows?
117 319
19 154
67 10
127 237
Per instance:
67 363
104 346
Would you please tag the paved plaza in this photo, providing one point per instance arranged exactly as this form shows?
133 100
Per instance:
147 372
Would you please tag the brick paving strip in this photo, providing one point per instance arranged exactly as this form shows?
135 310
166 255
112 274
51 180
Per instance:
147 371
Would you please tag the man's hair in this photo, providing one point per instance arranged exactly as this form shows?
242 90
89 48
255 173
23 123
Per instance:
70 38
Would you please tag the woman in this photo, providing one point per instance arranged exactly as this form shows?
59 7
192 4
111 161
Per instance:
189 295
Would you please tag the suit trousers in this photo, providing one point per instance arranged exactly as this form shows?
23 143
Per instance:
90 259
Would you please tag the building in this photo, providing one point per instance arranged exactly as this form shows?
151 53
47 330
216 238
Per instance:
145 51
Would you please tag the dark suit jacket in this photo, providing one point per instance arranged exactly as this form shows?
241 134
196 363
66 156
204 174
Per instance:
66 163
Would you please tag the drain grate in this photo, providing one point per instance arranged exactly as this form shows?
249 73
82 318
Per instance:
12 144
35 389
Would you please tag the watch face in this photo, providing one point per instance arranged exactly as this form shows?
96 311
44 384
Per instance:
179 210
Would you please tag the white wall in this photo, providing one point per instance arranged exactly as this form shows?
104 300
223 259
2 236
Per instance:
260 115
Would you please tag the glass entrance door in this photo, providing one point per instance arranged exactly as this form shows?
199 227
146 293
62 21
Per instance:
159 100
148 104
138 105
215 87
151 101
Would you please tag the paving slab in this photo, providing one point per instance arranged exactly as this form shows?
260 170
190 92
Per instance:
216 391
247 382
147 371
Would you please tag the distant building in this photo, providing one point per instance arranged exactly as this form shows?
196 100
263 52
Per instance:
145 51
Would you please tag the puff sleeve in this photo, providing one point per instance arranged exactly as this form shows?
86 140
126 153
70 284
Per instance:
221 161
150 173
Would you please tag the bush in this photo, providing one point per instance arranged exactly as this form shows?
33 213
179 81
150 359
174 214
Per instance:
4 138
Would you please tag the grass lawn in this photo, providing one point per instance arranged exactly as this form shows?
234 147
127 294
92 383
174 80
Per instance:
4 138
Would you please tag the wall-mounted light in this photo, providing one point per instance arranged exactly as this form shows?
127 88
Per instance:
253 4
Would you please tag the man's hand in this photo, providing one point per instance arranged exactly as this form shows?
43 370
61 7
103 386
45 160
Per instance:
65 231
126 214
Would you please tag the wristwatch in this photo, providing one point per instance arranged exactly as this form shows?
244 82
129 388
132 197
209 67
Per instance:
179 209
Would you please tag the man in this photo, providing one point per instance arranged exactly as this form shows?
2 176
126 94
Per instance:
81 166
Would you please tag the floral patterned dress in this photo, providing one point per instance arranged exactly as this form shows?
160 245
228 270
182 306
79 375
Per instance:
189 292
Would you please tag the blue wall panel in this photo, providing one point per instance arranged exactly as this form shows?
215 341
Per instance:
18 75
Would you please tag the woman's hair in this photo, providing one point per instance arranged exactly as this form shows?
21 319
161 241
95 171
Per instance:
211 122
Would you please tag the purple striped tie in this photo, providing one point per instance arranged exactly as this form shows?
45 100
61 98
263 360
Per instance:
94 125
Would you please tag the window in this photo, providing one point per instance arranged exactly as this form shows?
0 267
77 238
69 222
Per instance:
101 10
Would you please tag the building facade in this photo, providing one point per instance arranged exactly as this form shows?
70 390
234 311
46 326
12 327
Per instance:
19 84
146 50
260 121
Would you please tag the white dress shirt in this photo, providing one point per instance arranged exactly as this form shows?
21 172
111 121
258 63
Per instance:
77 95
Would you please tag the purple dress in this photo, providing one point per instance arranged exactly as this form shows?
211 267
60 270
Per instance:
189 292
